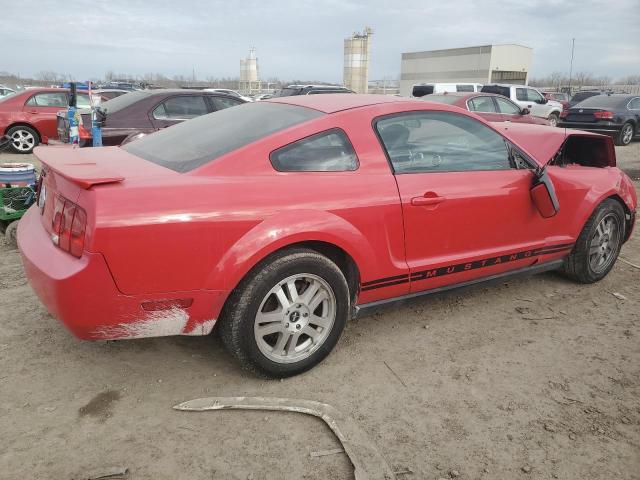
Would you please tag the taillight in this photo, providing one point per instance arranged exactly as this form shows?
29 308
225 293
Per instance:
603 115
82 132
68 226
564 113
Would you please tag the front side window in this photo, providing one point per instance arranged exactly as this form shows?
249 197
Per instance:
181 108
329 151
82 101
505 106
482 104
423 142
533 95
49 99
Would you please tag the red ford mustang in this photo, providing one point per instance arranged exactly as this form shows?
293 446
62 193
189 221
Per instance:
281 219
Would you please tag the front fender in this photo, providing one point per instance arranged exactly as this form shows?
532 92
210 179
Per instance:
287 228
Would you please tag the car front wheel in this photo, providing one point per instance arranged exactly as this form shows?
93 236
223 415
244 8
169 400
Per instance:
23 139
553 119
287 314
598 245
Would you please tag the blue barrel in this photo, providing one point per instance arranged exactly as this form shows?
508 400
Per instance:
17 174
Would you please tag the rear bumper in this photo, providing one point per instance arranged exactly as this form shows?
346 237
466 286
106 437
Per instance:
81 293
611 128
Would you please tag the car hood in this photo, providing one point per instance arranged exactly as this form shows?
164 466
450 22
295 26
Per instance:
541 142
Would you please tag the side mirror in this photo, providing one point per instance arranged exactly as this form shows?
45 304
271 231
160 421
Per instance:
543 195
525 111
542 101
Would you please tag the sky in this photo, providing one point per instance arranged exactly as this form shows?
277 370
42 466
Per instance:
303 39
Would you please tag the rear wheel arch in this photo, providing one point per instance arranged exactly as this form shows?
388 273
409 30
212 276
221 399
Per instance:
24 124
627 214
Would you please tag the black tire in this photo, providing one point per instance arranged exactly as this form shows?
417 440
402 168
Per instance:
553 119
578 264
31 139
239 314
11 234
625 136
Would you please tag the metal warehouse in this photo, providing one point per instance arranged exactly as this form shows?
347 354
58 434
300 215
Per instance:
507 63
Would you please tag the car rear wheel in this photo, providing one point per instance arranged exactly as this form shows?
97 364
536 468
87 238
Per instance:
598 245
553 119
23 139
626 135
287 314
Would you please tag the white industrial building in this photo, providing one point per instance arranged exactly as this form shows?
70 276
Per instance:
508 63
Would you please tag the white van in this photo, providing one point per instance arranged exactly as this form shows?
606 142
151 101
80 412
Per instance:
422 89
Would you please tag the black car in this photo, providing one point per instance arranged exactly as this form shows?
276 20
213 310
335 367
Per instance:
311 90
583 95
145 111
616 114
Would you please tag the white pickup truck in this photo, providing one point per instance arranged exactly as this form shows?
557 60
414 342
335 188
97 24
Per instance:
528 97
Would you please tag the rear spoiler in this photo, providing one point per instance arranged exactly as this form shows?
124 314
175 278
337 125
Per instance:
67 162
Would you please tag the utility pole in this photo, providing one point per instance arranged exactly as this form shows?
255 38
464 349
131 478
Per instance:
573 46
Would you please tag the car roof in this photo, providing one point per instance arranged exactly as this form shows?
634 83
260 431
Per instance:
335 102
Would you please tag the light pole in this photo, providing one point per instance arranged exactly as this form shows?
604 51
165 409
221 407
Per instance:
573 46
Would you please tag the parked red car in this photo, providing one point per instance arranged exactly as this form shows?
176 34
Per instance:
490 106
281 219
29 117
562 98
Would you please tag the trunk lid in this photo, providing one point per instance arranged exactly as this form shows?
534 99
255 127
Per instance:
67 172
585 115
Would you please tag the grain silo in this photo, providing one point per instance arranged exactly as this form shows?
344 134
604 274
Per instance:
249 78
356 60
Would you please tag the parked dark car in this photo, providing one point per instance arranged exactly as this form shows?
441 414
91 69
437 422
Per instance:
617 115
145 111
580 96
311 90
491 107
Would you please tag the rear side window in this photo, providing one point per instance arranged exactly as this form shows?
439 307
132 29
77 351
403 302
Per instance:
504 91
464 88
482 104
329 151
181 108
49 99
189 145
422 90
521 94
220 103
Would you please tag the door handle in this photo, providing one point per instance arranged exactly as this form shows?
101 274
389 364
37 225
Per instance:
427 200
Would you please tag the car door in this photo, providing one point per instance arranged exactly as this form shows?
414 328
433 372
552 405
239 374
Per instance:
536 103
178 108
483 105
510 112
466 207
41 109
634 109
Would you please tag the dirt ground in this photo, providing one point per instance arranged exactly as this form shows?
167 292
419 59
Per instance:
531 378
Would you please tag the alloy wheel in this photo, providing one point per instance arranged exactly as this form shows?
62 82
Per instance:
295 318
604 243
627 134
22 140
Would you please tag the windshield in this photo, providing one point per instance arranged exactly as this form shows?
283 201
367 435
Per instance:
191 144
603 101
123 101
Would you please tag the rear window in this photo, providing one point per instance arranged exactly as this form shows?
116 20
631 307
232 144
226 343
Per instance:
287 92
123 101
422 90
191 144
448 99
604 101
